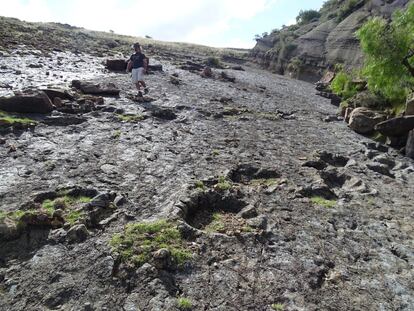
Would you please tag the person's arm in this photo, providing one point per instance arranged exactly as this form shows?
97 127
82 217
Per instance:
129 66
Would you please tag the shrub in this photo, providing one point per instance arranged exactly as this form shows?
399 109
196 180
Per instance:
342 85
307 16
214 62
295 65
349 7
389 55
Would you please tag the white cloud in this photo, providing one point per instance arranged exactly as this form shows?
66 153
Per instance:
198 21
31 10
291 22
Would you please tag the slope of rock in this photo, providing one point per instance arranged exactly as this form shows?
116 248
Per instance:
276 207
304 51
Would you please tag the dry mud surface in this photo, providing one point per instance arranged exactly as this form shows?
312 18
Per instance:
266 136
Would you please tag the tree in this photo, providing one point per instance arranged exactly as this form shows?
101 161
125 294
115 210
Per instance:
389 54
305 17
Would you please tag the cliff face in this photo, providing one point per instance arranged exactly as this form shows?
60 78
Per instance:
304 51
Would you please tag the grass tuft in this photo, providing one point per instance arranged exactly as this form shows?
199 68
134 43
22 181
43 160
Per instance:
140 240
323 202
65 203
223 184
200 185
184 303
278 307
132 118
216 225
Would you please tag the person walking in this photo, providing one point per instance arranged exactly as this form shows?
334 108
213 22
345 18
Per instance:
138 65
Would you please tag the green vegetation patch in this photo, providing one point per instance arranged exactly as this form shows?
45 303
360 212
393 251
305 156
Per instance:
227 222
116 134
307 16
216 224
268 182
323 202
343 86
223 184
215 153
214 62
132 118
8 119
15 215
139 240
200 185
389 58
73 216
278 307
184 303
66 203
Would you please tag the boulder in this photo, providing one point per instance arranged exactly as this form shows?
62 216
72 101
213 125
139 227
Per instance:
238 68
116 64
397 142
155 68
325 81
191 66
207 73
395 127
162 258
86 87
380 168
27 103
163 113
225 77
368 100
248 212
409 147
409 106
175 80
363 120
347 114
9 230
57 93
77 234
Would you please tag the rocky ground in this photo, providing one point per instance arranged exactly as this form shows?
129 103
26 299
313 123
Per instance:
280 205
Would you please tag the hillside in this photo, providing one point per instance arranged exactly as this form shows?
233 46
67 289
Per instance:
235 190
305 50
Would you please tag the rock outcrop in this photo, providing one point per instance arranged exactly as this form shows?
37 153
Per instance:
27 103
304 51
363 120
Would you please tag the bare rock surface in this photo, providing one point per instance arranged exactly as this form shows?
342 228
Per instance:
316 217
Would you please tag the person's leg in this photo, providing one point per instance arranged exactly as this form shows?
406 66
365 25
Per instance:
145 87
141 79
135 78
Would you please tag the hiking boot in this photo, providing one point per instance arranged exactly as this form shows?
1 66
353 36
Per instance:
146 91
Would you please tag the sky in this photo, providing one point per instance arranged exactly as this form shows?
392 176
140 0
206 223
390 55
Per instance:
218 23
